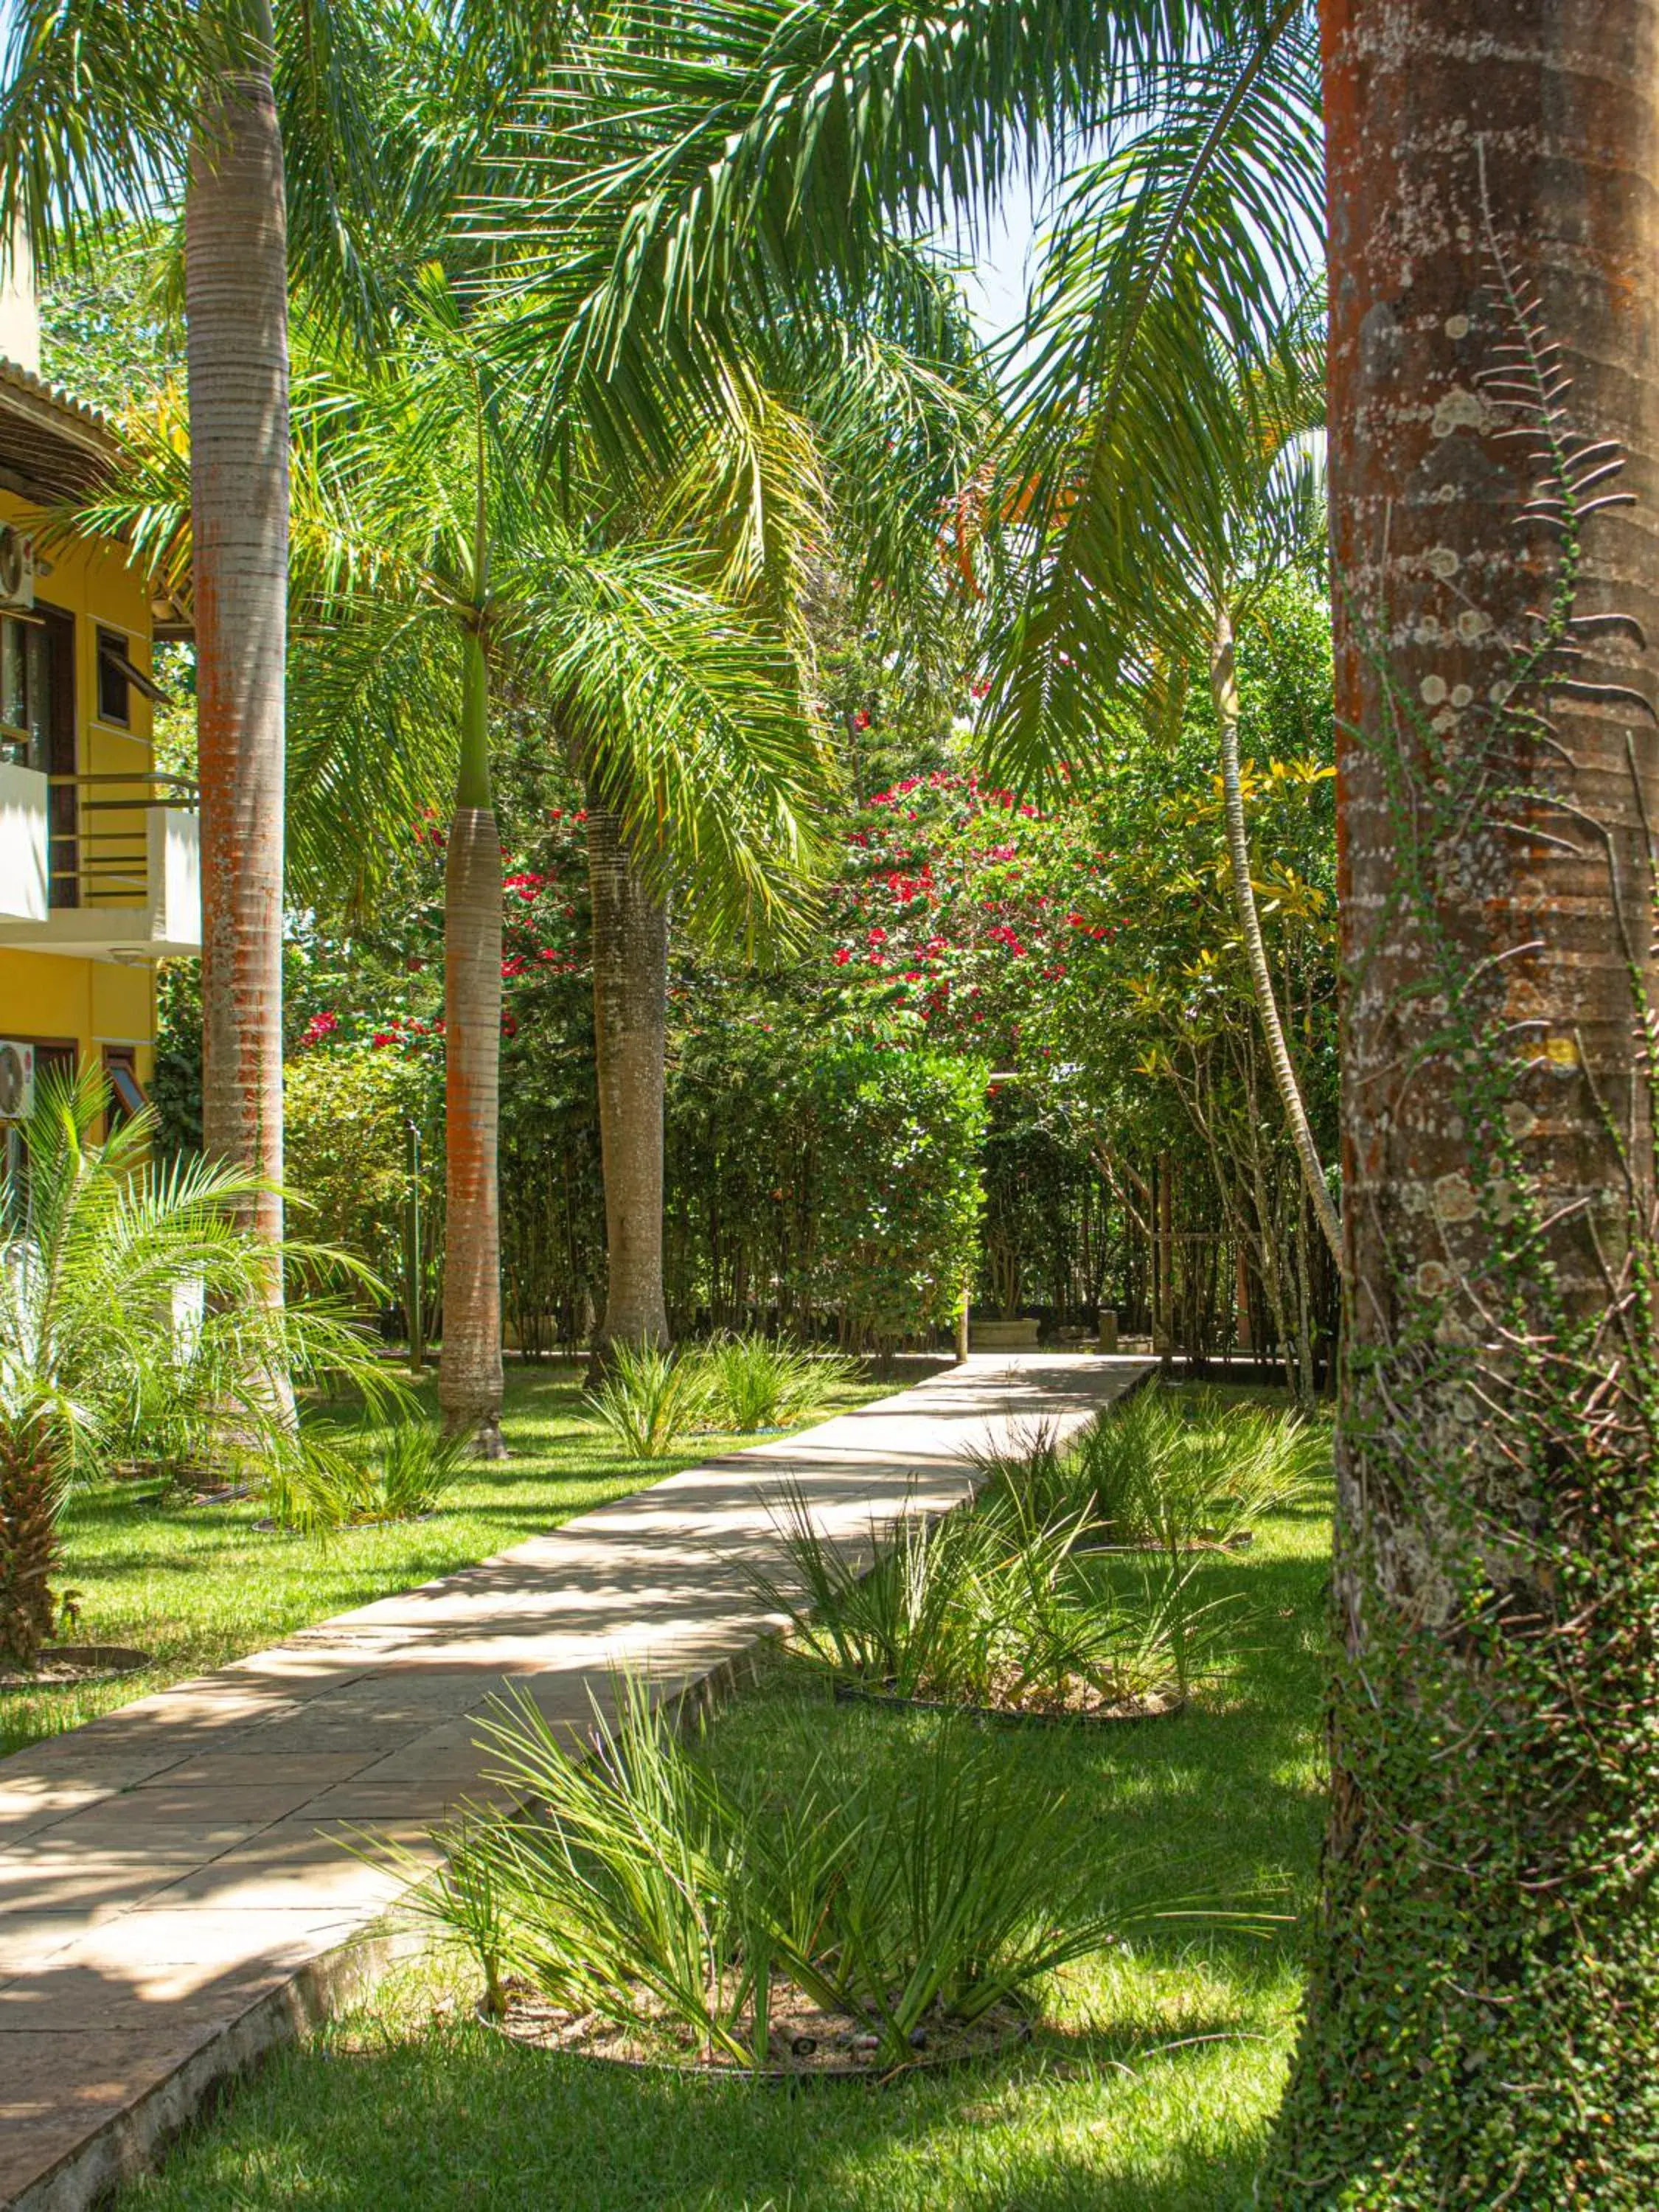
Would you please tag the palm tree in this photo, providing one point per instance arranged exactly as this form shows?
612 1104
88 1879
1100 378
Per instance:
101 1252
1479 2025
102 113
275 126
236 294
439 579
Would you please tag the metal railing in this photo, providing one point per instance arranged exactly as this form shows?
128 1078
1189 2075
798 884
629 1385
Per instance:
100 834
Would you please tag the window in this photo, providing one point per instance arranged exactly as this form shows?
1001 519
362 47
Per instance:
25 691
126 1094
114 698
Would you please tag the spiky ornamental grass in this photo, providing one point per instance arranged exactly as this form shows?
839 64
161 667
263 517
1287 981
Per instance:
757 1383
642 1889
991 1607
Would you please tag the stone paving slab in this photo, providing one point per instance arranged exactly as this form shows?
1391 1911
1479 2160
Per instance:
175 1892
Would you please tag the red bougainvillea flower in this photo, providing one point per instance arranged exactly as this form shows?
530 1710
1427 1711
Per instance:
382 1037
913 974
982 689
319 1027
843 954
877 936
861 719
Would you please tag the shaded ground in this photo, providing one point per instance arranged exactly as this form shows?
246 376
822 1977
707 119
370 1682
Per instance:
1152 2089
198 1585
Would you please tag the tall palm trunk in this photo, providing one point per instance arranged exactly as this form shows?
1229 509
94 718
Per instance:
1223 690
470 1380
236 297
1482 2023
630 1012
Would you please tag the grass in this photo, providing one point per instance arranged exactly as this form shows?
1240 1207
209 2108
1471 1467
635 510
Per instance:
1150 2091
198 1585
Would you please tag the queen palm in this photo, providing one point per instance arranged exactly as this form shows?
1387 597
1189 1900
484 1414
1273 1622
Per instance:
439 579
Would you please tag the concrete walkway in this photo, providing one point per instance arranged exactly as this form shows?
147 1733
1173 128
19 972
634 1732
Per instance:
174 1896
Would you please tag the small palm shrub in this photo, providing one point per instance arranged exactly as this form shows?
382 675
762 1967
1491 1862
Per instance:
648 1399
135 1323
753 1382
336 1479
645 1891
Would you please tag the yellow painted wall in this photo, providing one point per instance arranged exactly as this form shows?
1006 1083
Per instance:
45 994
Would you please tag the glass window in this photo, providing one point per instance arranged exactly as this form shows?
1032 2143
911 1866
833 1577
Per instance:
114 704
25 690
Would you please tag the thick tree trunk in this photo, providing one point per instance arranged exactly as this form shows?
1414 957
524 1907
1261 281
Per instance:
236 298
1482 2024
1224 691
469 1379
630 1009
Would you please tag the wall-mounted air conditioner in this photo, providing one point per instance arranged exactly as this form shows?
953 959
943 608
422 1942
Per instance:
17 568
16 1080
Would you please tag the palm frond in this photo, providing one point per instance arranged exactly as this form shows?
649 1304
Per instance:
1155 354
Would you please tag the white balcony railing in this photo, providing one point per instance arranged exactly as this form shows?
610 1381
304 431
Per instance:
121 859
24 841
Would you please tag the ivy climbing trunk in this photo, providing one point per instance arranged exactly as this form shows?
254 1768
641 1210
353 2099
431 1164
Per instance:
470 1380
630 1008
236 302
1482 2021
1223 692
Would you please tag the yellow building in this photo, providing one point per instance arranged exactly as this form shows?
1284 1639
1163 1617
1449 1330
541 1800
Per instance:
99 854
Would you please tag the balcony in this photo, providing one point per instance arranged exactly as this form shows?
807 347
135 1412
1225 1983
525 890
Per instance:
25 877
119 857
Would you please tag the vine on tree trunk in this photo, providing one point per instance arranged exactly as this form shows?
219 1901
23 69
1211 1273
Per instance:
1482 2023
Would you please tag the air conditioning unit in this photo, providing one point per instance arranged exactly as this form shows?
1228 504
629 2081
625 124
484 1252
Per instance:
17 1080
17 568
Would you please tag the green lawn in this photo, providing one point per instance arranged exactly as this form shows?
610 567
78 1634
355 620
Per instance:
1152 2087
197 1585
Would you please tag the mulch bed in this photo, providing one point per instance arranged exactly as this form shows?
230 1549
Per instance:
1081 1705
73 1666
807 2044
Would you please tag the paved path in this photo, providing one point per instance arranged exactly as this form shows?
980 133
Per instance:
173 1893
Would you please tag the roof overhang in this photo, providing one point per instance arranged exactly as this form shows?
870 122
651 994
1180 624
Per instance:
52 448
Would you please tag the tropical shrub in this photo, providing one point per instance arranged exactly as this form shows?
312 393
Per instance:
991 1607
135 1324
648 1891
1201 1472
347 1111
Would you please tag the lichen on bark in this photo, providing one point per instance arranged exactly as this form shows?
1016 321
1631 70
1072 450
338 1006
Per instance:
1482 2021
